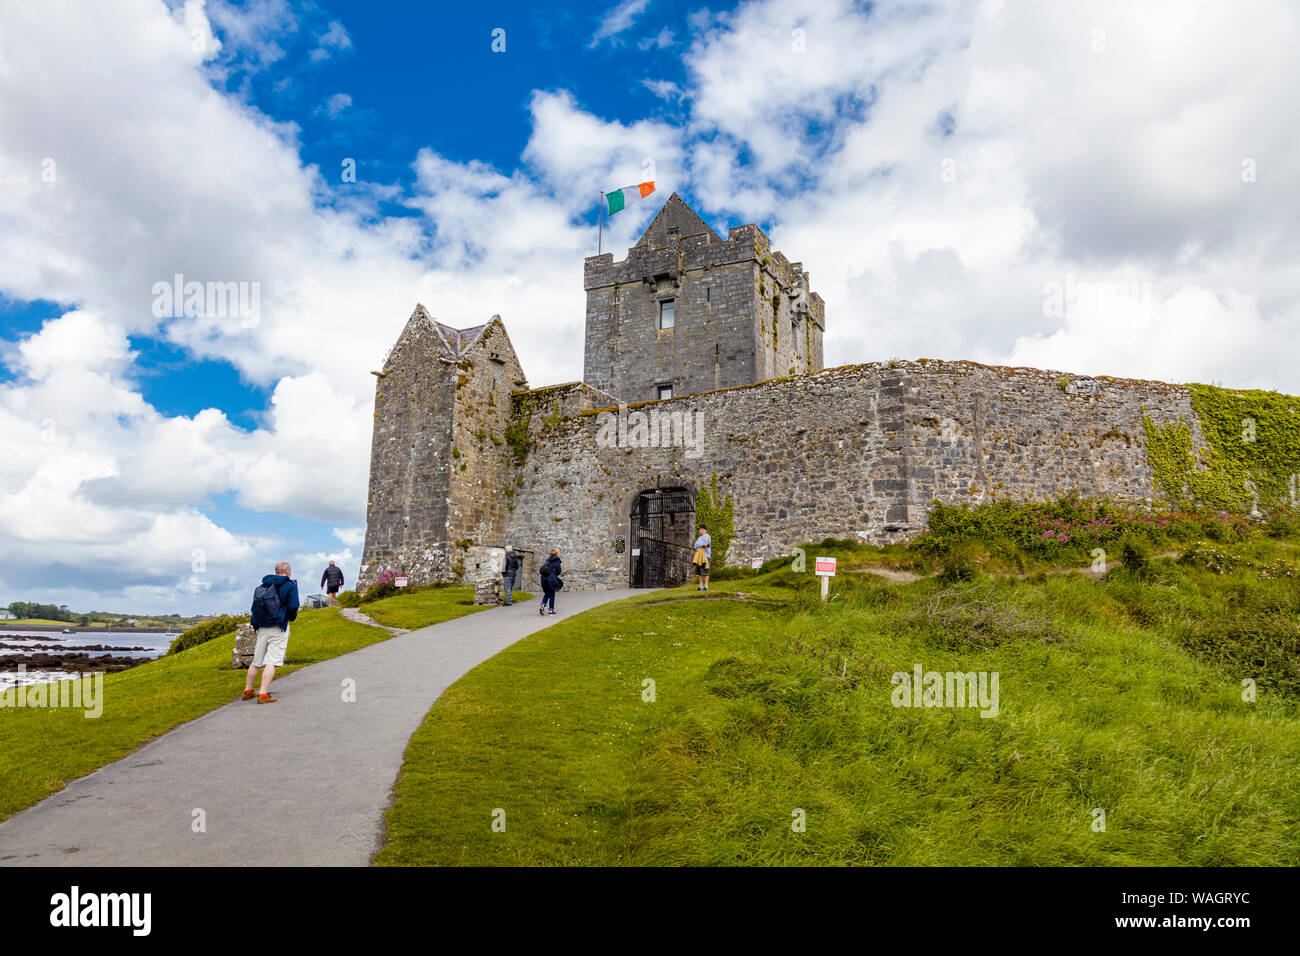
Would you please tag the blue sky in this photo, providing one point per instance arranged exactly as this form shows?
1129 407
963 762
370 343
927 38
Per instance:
938 168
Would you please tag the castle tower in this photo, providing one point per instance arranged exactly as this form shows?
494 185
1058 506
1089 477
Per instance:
687 311
439 465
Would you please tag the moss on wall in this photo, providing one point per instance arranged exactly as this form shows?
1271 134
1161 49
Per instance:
517 430
1252 450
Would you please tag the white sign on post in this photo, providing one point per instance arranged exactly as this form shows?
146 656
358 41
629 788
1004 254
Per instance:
400 582
825 569
755 563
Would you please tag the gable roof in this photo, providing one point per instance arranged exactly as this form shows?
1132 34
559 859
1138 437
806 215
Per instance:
675 215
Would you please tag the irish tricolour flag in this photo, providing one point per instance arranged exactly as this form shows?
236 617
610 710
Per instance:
622 197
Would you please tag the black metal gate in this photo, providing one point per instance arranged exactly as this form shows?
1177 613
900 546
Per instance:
662 535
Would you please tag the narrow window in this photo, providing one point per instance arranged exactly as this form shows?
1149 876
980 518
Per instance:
665 391
708 293
667 313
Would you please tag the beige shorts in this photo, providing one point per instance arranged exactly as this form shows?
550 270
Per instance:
271 645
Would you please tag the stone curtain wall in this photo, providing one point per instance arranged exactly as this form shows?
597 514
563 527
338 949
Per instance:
980 433
406 513
853 452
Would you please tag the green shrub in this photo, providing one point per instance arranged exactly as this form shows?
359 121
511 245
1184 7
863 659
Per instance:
1133 557
1283 523
1069 529
981 615
349 599
1264 648
207 631
729 574
957 568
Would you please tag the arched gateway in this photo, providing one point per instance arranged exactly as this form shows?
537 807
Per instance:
662 531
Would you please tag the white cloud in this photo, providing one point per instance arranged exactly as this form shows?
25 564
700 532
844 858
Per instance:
336 38
660 41
335 105
664 89
352 537
618 20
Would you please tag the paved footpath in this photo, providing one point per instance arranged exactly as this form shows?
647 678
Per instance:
301 782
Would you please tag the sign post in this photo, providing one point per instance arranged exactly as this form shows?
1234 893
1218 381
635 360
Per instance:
400 581
825 569
755 563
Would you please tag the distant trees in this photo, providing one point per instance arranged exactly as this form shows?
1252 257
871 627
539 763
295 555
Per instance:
45 612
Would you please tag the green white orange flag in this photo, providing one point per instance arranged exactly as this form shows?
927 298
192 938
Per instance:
622 197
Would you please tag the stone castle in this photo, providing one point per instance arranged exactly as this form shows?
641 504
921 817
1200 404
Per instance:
703 361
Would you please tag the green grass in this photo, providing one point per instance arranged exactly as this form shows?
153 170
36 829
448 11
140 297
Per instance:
427 606
42 749
1121 694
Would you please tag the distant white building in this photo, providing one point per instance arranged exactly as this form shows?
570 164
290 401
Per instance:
6 614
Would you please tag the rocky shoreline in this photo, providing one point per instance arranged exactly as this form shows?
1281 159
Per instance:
60 647
56 629
71 663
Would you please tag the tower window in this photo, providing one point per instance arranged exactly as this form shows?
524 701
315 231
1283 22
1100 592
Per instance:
667 313
664 391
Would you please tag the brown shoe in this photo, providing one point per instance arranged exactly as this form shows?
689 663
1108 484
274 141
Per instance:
248 695
266 699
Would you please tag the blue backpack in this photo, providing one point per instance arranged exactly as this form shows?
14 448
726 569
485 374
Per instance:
267 607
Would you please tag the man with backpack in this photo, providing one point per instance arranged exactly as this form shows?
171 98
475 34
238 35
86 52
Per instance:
509 573
275 604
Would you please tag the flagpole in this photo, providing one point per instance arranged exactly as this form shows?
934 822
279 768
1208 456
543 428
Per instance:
600 230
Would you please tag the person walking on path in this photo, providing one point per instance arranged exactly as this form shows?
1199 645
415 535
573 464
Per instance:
331 581
703 554
508 574
275 604
550 581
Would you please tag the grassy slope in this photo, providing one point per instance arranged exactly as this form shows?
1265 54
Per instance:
42 749
427 606
777 703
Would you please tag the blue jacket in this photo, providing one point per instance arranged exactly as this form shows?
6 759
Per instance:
705 542
288 591
551 573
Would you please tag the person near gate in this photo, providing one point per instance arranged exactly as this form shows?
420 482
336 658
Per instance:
551 581
508 573
703 552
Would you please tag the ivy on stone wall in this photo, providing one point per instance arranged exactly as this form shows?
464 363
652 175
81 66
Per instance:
1252 450
717 515
1255 436
517 430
